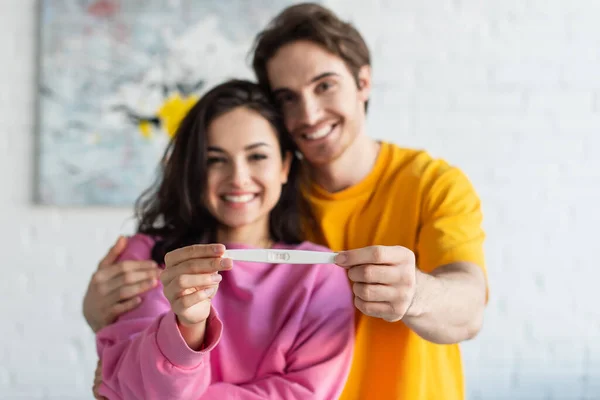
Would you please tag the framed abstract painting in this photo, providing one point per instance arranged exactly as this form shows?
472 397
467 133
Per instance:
116 77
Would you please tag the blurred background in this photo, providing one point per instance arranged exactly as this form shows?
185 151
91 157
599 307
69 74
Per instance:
507 90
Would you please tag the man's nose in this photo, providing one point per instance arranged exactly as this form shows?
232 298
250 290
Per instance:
310 111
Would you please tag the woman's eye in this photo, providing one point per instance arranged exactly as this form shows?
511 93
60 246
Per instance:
257 157
214 160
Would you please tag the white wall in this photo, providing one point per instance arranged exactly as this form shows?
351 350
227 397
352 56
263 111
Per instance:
508 90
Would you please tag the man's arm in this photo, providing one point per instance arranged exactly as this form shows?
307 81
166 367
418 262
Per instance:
444 306
449 303
442 299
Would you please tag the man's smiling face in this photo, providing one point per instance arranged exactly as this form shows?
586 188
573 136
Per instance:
323 107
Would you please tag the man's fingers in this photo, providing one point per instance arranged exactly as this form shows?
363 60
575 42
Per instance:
178 256
127 292
95 391
374 293
373 309
122 307
98 373
129 278
383 255
123 267
114 253
384 274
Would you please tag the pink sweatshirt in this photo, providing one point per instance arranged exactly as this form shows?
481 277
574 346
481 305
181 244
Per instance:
275 332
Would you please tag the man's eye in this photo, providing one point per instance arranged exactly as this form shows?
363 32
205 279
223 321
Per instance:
324 86
285 98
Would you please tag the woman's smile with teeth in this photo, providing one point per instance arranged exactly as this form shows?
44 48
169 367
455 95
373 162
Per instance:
242 198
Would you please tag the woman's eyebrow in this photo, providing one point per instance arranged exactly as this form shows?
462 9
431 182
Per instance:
248 147
255 145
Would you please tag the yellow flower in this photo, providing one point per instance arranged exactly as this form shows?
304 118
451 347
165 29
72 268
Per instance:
173 110
170 114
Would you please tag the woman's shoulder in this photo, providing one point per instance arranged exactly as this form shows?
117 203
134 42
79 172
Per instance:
139 247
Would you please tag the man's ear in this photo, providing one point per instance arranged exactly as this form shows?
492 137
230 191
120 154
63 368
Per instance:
364 82
286 165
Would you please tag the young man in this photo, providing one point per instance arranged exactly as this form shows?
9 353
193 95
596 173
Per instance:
413 223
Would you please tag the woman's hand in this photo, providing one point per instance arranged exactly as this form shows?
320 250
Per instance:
190 280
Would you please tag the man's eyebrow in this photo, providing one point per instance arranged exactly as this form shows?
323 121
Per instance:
323 75
279 91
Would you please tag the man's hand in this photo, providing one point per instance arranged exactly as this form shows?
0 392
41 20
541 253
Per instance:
384 280
444 306
115 287
97 382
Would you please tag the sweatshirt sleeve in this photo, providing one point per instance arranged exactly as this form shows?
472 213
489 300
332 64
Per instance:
320 359
143 353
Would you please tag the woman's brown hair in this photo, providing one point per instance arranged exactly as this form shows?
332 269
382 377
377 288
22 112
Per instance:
173 210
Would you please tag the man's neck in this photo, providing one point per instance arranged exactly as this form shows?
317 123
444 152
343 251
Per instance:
350 168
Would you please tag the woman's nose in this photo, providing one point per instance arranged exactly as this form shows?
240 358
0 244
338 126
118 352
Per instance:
240 174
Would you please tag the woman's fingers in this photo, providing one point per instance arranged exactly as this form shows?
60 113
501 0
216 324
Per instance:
178 256
198 266
194 307
180 284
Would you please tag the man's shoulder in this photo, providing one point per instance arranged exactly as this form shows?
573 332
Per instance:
435 181
414 164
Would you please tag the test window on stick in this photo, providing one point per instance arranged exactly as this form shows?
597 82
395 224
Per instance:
278 256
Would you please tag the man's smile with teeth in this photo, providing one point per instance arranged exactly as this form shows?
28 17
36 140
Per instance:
320 133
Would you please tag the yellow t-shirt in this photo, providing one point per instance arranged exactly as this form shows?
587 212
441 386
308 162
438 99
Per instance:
412 200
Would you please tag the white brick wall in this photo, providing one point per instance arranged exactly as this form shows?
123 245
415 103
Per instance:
508 90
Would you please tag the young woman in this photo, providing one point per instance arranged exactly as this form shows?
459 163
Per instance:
212 328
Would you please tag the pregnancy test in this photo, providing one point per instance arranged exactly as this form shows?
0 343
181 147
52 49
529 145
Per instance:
281 256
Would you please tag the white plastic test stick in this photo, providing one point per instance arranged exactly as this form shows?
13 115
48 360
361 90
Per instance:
281 256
